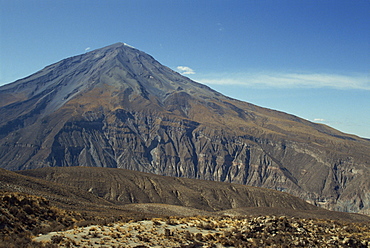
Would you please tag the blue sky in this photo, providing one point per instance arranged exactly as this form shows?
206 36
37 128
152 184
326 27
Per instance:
308 58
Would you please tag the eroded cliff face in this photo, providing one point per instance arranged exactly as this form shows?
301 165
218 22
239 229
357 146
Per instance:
184 148
118 107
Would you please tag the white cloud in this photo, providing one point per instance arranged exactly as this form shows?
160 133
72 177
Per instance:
87 49
185 70
290 80
128 45
318 119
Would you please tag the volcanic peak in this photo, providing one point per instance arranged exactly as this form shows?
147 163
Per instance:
118 107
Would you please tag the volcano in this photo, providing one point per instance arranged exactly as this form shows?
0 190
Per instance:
118 107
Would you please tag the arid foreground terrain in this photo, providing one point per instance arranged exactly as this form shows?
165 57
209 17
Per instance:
88 207
225 231
32 221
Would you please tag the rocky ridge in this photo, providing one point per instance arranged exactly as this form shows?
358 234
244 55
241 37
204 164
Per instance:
116 192
120 186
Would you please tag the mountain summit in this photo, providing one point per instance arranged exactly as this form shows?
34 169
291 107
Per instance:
118 107
118 69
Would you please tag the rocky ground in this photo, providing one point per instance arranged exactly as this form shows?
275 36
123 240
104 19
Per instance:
33 221
263 231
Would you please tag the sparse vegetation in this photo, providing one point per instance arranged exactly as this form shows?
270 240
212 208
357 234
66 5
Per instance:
23 216
224 231
31 221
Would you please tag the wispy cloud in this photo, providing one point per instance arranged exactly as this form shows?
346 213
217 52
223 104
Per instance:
87 49
291 80
319 119
220 27
185 70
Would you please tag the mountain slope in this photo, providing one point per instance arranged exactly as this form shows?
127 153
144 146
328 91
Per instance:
118 107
